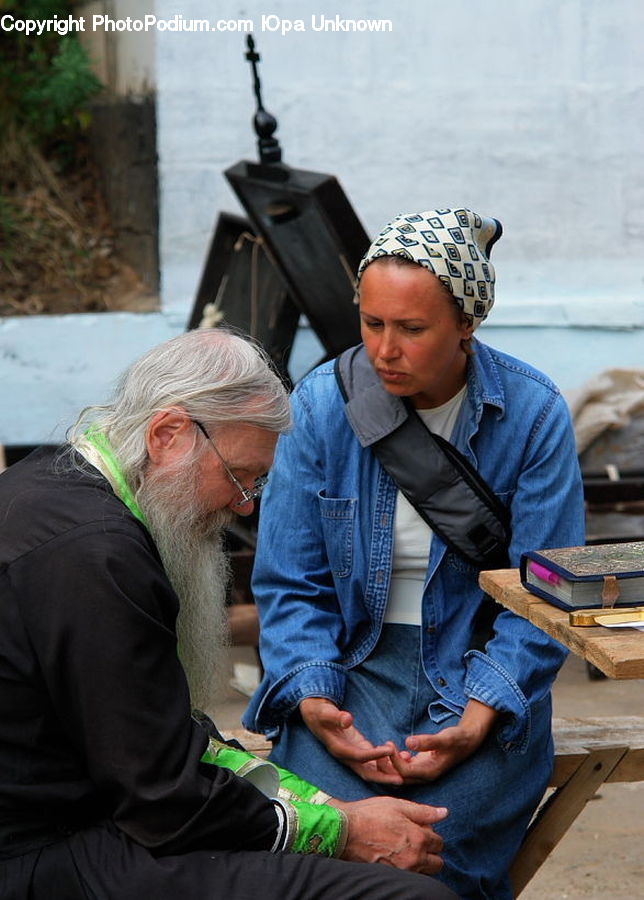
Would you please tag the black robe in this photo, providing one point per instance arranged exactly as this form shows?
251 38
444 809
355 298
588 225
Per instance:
102 792
94 706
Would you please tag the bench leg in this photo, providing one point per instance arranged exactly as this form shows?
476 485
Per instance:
560 810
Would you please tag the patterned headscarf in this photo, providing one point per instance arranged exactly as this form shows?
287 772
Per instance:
454 244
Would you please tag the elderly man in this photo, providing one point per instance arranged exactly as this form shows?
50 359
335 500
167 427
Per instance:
112 580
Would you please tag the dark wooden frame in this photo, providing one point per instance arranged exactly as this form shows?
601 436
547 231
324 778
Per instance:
278 317
315 239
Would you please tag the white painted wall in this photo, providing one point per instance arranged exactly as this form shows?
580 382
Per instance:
532 112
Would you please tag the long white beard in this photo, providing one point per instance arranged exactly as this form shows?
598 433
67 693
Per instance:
189 542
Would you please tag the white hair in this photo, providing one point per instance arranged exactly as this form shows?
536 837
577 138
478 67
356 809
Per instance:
215 376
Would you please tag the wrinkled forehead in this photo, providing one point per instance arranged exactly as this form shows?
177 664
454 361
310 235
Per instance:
247 447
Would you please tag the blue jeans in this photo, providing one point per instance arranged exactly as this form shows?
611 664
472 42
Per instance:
490 796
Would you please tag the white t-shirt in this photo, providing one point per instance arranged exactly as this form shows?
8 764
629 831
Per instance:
412 536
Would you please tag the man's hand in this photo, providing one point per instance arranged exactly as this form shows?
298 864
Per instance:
395 832
335 729
438 753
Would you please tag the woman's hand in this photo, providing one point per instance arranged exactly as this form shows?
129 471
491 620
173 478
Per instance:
394 832
335 729
435 754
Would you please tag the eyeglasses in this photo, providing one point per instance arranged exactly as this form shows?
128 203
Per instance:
247 494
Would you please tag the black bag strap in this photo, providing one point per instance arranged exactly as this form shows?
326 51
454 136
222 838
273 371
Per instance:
441 484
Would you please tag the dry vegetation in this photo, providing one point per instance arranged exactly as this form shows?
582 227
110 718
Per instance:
56 243
56 252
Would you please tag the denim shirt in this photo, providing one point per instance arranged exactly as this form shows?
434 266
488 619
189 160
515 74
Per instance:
324 552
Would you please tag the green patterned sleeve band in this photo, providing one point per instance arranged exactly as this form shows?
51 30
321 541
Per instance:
319 829
292 787
305 822
306 828
264 775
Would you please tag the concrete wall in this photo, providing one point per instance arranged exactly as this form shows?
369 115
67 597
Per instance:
531 112
124 60
123 126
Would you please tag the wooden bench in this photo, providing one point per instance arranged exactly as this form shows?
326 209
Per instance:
589 752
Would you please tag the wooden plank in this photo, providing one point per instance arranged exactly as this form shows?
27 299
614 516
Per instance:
619 653
599 489
560 811
254 743
575 738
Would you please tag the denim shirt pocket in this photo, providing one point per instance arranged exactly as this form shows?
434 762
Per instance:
337 516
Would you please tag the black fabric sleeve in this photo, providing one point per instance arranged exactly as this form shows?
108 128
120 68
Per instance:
100 615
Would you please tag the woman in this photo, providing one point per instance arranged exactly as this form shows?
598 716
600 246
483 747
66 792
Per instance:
384 670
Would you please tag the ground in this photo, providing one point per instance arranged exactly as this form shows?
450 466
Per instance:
600 857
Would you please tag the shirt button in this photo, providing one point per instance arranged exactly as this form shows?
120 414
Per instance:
442 682
431 629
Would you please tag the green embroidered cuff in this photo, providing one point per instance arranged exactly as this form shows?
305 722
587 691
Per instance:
319 829
309 826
